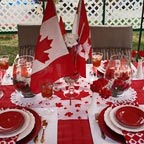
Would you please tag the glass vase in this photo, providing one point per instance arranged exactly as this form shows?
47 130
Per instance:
118 73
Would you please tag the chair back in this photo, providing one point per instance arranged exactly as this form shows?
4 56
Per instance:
27 38
112 40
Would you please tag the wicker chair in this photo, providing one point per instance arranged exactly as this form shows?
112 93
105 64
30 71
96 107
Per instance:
112 40
27 38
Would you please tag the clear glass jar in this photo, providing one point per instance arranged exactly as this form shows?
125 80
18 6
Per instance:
119 73
22 70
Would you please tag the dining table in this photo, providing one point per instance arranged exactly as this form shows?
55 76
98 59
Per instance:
69 121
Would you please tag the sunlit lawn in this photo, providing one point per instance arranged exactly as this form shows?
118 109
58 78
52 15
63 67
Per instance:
9 44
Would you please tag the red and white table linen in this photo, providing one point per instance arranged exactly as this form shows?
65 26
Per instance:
77 110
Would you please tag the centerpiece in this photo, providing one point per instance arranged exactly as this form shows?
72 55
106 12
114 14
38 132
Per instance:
118 73
117 77
71 43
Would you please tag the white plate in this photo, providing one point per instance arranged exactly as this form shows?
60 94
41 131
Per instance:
21 129
109 122
29 128
117 124
29 122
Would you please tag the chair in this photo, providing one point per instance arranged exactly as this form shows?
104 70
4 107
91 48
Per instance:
112 40
27 38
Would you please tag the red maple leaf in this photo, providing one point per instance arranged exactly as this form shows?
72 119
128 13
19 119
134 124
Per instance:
69 114
41 48
59 105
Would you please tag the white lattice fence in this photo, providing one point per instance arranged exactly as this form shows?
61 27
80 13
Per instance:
117 12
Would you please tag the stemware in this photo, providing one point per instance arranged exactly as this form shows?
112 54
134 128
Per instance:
4 64
21 75
71 80
96 62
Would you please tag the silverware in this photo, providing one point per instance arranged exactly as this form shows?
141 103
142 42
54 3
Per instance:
44 125
102 133
36 140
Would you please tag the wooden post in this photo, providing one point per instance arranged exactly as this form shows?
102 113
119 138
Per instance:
141 27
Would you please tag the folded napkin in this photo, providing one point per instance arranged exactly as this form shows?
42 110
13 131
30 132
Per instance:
134 138
79 132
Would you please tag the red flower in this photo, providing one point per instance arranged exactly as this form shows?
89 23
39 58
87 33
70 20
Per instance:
137 54
141 53
97 85
134 53
105 93
124 76
109 73
119 84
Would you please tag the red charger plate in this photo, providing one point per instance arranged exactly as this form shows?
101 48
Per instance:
130 116
35 131
110 133
10 121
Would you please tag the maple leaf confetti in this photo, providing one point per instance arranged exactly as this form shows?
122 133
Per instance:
69 114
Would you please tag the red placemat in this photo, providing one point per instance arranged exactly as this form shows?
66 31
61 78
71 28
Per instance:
74 132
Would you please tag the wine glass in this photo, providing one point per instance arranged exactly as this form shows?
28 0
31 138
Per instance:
71 80
22 70
96 62
4 64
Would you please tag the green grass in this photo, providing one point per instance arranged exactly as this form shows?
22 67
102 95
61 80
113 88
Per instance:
9 44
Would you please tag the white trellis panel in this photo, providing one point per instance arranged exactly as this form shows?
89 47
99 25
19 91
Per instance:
117 12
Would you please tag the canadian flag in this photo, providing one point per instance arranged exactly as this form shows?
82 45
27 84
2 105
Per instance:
81 28
62 26
52 60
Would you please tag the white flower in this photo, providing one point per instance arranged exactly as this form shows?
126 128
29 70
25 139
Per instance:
70 39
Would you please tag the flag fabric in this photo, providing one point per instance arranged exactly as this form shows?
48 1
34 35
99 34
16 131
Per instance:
62 26
52 60
82 29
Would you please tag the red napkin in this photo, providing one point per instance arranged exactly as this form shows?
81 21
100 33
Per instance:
134 138
11 140
74 132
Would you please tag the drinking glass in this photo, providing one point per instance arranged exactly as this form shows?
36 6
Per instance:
22 75
47 90
71 80
4 64
96 61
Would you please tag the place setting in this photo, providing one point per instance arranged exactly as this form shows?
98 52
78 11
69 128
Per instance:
119 122
25 125
18 124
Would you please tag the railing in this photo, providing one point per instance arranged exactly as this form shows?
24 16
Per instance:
109 12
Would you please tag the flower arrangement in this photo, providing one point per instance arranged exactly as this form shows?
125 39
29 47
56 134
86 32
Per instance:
116 80
100 86
119 79
137 55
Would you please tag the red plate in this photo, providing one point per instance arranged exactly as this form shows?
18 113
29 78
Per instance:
130 116
36 129
10 121
110 133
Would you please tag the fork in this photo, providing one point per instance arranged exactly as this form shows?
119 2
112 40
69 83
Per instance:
102 133
44 125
